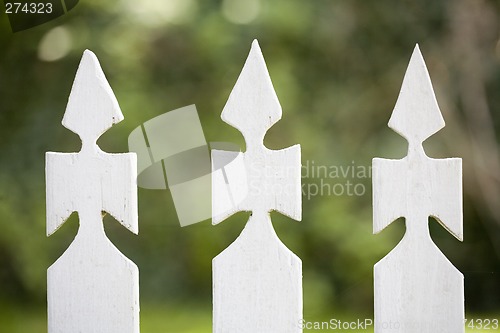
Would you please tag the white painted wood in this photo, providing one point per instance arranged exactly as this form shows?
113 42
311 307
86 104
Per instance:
417 290
92 287
257 281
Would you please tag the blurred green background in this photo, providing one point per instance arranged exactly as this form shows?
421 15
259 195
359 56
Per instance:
337 67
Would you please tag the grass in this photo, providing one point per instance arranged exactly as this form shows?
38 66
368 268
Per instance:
154 319
181 318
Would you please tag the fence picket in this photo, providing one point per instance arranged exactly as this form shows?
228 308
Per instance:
417 290
257 281
92 287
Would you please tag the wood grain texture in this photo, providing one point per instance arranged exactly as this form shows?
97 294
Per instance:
417 290
257 281
92 287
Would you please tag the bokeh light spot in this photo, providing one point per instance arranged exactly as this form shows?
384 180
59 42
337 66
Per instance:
55 44
241 11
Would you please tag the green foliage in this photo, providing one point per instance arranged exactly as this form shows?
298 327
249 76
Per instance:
337 67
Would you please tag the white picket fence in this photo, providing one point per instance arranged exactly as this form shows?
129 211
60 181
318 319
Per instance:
257 280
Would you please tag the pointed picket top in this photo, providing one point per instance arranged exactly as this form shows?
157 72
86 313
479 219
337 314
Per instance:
416 115
92 106
253 106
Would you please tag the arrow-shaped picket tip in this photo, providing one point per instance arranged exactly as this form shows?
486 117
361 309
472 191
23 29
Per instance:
92 106
416 115
252 106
